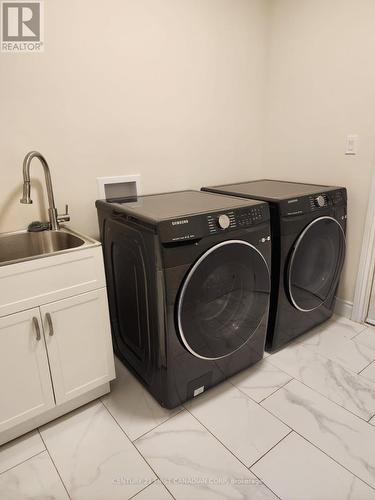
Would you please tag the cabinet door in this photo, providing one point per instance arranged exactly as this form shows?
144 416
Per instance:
25 381
79 344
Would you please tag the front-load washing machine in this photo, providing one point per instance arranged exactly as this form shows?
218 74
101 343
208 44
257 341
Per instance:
188 283
308 225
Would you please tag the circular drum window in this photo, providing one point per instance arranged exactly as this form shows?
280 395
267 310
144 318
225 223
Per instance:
315 264
223 299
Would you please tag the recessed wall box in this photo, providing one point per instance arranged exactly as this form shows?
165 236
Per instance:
120 186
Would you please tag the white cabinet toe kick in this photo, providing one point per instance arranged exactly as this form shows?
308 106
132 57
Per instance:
55 339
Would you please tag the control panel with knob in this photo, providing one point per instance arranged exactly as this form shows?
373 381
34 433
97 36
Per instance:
315 202
223 221
320 201
235 219
197 226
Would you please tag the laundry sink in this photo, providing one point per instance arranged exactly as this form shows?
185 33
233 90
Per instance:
23 245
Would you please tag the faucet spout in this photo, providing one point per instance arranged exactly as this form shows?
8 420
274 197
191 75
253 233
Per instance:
26 197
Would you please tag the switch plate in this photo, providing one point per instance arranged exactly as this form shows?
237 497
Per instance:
351 144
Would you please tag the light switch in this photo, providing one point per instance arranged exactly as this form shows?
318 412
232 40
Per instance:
351 144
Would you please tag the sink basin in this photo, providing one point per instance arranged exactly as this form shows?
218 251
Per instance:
26 246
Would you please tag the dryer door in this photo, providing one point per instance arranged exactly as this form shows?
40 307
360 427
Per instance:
223 299
315 264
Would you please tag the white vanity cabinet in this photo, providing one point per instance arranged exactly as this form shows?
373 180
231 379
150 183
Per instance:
55 344
25 382
77 332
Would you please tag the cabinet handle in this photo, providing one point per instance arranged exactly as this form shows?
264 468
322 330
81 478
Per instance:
37 328
50 324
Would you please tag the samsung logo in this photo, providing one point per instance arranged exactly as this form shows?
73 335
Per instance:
178 222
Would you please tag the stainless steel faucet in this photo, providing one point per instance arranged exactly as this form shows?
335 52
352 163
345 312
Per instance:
54 217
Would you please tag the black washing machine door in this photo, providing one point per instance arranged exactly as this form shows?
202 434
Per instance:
315 264
223 299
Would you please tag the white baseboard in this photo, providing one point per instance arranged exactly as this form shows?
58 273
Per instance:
343 308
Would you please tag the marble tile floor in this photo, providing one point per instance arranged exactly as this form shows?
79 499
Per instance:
299 425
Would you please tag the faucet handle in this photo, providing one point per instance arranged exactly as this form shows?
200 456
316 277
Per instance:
64 217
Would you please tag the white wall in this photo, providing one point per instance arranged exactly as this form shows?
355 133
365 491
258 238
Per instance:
175 90
321 87
170 89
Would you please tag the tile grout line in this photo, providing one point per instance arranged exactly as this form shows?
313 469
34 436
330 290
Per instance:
274 392
301 343
153 428
360 343
359 373
139 453
334 460
55 466
264 484
184 408
22 461
143 489
277 418
325 356
317 447
323 396
273 447
231 452
326 397
248 395
356 335
335 360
